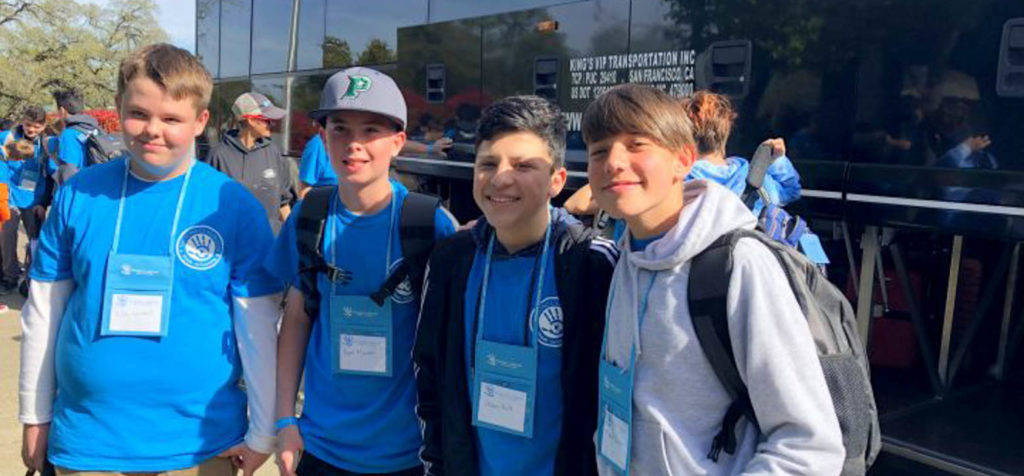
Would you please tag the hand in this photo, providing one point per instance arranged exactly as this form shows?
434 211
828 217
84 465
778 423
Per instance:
778 147
289 449
34 439
441 146
40 212
977 143
245 458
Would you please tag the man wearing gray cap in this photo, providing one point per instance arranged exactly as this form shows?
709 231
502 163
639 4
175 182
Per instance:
249 155
355 254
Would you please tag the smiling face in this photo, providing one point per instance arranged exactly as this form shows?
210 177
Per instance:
632 176
513 180
158 129
361 145
32 129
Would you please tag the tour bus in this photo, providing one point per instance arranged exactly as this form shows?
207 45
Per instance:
905 119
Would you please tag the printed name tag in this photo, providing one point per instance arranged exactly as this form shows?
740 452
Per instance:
502 406
136 313
363 353
615 439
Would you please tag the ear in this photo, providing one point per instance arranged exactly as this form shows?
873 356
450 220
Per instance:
685 158
201 120
398 139
558 179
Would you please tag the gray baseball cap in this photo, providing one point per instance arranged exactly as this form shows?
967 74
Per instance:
362 89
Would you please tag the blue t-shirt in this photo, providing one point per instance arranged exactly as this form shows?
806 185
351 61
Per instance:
23 193
152 403
509 295
315 167
72 147
364 424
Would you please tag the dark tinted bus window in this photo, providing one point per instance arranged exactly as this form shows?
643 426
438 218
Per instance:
927 93
310 54
271 20
361 32
235 17
208 33
305 98
444 10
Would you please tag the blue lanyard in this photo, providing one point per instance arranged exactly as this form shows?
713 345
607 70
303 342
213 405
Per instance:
640 324
177 210
487 276
334 243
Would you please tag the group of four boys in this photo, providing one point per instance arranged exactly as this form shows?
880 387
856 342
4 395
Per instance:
157 286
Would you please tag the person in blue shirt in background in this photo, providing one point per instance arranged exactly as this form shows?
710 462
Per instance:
27 182
358 415
149 302
314 167
77 127
524 288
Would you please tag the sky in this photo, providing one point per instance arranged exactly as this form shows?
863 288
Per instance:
178 19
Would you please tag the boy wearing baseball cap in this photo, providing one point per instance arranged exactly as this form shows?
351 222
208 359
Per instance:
352 314
148 300
249 155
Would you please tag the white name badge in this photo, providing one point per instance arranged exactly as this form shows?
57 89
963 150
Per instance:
363 353
502 406
136 313
614 439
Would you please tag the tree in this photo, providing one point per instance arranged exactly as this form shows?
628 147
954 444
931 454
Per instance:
377 52
56 44
336 52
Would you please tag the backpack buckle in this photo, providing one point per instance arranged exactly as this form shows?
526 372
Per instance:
337 275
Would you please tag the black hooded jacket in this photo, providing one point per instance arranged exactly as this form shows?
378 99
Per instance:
583 271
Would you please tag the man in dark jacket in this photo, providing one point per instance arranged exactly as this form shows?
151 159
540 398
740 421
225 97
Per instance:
248 155
510 327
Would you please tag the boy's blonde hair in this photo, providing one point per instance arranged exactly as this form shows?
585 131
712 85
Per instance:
20 149
641 110
176 71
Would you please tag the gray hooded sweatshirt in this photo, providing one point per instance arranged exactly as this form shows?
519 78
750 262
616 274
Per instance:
678 402
262 169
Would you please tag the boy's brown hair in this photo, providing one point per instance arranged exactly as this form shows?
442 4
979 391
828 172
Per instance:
641 110
176 71
712 116
20 149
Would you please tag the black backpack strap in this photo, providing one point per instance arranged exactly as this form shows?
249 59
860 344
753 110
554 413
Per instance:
416 229
707 300
309 235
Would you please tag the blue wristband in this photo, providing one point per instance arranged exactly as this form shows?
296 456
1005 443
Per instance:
430 148
285 422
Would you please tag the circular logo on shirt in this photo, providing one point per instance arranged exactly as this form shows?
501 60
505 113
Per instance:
403 293
200 247
550 322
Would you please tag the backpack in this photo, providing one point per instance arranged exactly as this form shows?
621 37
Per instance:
416 230
100 147
832 323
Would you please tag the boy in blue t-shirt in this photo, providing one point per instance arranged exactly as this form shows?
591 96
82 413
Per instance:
358 415
314 167
148 300
27 183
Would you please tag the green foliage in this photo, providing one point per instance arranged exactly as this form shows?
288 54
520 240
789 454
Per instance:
377 52
337 53
46 45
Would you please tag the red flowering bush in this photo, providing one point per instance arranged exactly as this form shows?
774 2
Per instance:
106 117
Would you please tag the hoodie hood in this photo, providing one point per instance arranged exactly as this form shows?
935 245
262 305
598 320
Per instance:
709 211
732 174
81 119
231 138
561 220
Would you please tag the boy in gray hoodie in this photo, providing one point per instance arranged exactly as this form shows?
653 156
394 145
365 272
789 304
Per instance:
661 403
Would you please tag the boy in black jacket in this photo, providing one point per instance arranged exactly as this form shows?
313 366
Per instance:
513 312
